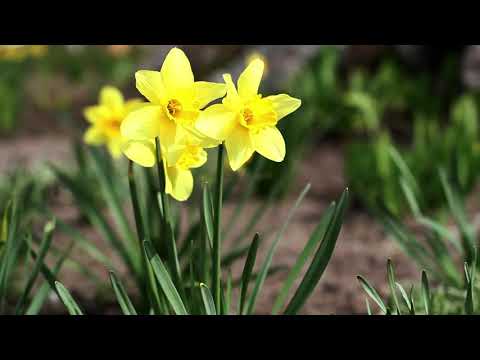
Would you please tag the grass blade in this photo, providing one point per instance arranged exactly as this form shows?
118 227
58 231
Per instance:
321 258
391 284
44 246
268 261
165 281
67 299
247 272
207 213
405 297
316 236
370 290
122 296
209 305
469 300
367 303
427 298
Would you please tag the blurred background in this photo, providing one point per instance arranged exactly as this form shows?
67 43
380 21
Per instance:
372 115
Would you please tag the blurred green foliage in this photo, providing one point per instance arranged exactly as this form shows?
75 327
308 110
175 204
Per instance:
59 78
373 174
422 114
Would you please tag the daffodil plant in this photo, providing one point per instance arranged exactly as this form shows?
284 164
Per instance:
171 132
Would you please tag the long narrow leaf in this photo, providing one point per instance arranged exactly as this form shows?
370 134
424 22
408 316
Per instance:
307 251
122 296
268 261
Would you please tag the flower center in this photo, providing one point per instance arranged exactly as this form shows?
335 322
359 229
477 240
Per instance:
112 126
248 117
174 107
192 157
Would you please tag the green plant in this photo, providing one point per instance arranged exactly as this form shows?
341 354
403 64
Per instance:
22 260
436 247
454 148
192 296
422 299
182 271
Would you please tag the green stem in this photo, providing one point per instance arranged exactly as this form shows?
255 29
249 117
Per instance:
168 233
216 274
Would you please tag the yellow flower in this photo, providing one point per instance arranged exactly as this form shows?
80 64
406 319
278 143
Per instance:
175 100
175 104
186 154
20 52
257 55
246 121
106 118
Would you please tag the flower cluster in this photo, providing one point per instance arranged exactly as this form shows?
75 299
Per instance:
179 115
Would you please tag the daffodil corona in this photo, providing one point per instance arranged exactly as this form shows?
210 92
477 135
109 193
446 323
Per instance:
246 121
106 118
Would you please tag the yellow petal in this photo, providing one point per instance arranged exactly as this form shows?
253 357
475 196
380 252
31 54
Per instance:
142 123
239 147
179 183
269 143
232 100
284 104
177 75
216 121
111 97
94 136
141 152
150 85
249 80
96 113
206 92
185 135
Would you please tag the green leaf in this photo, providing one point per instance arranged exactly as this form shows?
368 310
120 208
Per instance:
469 300
391 284
268 261
370 290
321 258
165 281
209 305
405 297
44 246
67 299
307 251
367 303
122 296
247 272
207 212
217 234
427 298
113 199
42 293
458 212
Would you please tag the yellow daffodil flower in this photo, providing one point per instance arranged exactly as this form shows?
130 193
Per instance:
176 101
106 118
186 154
257 55
246 121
